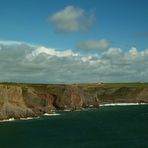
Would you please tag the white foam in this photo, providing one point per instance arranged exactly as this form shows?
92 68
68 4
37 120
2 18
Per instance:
122 104
29 118
7 120
12 119
67 110
51 114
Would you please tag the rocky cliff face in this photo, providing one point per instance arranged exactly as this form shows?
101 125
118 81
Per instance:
12 103
22 100
123 95
73 97
39 102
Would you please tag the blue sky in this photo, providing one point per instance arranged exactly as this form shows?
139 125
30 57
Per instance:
90 40
116 20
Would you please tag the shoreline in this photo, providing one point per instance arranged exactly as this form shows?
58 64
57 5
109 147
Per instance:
51 114
29 118
57 114
121 104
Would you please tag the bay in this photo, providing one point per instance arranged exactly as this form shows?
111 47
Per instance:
106 127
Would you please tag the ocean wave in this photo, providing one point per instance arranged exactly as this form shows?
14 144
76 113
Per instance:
51 114
29 118
7 120
67 110
122 104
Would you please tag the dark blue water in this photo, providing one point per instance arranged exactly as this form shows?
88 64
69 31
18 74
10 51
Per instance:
107 127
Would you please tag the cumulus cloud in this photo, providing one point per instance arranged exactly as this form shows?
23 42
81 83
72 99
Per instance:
133 51
72 19
51 52
22 62
93 45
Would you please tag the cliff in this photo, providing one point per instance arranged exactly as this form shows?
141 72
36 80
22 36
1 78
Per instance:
23 100
119 93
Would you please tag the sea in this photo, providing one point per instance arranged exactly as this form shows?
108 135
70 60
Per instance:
105 127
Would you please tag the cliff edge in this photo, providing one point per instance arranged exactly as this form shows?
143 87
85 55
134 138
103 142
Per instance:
26 100
20 101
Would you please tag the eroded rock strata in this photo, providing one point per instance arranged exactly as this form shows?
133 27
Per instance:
25 100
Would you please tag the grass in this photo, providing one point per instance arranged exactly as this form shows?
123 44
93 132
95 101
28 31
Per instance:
86 86
109 85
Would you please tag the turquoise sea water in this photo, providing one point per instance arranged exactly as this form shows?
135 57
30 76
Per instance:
107 127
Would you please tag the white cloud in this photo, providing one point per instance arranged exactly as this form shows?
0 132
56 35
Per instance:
113 52
133 51
72 19
10 43
28 63
91 45
51 52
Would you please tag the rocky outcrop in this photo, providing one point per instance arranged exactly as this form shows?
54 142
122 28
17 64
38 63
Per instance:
12 103
71 98
39 102
123 95
23 100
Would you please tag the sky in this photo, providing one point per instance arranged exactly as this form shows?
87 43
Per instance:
73 41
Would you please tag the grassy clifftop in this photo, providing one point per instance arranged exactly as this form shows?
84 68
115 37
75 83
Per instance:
23 100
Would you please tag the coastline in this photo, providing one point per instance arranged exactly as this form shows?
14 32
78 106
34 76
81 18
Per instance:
51 114
121 104
27 101
57 114
29 118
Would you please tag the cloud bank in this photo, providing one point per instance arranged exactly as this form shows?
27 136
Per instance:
22 62
72 19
